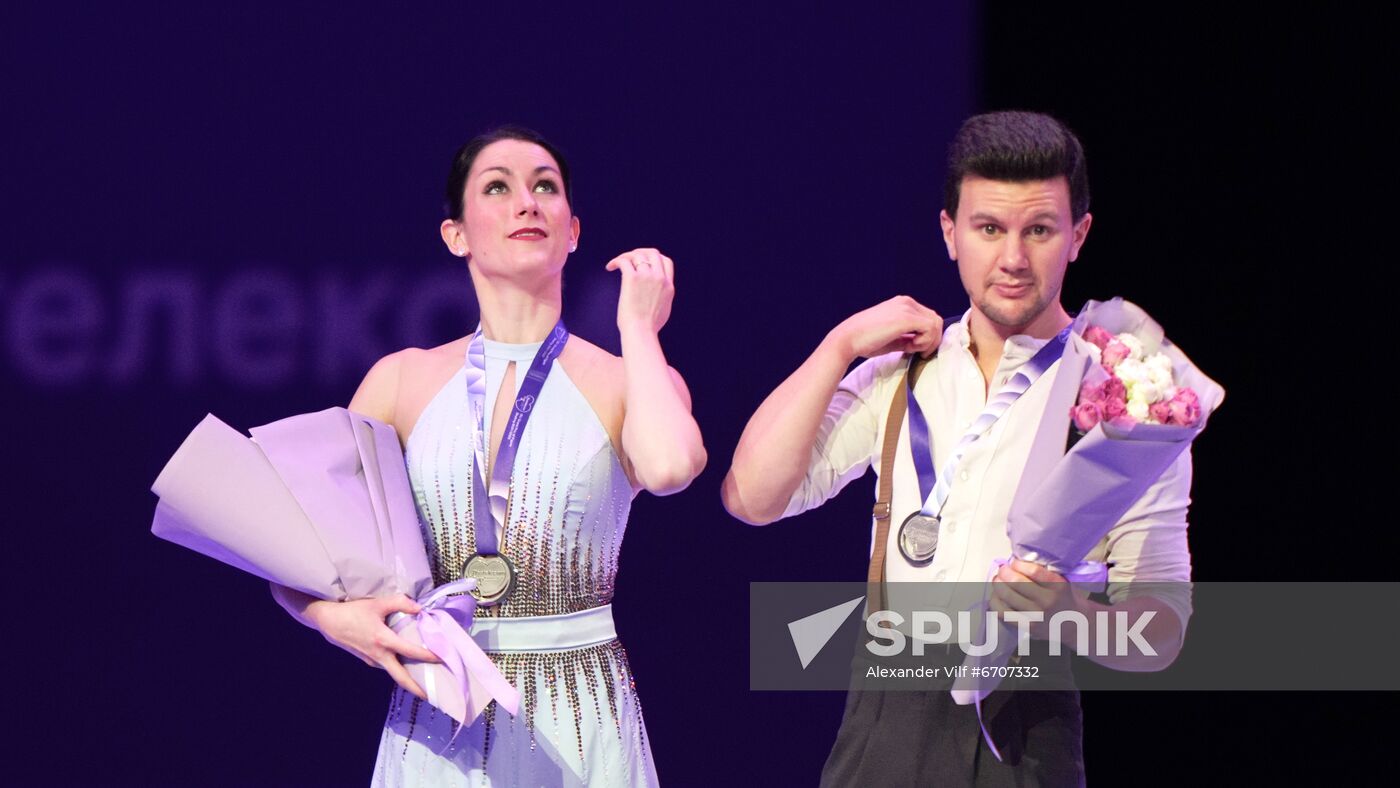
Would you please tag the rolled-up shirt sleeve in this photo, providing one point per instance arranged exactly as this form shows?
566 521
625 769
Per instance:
1147 550
847 438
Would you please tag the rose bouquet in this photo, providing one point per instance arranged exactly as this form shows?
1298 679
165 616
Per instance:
1130 386
1130 402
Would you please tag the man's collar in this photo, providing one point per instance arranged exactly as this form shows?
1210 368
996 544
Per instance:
1016 348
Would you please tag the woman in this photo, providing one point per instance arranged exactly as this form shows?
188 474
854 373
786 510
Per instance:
597 430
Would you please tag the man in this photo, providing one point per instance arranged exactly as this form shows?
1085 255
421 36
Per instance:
1016 216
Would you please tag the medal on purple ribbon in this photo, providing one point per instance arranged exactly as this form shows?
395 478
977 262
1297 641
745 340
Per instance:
918 534
493 572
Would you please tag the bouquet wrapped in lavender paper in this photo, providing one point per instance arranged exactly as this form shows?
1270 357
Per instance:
1134 421
321 503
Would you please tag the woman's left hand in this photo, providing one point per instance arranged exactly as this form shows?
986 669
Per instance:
648 285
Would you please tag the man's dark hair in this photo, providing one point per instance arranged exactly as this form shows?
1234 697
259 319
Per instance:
1017 147
466 155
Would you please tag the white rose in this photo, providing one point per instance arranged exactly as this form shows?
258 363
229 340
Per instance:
1160 370
1137 408
1131 372
1147 390
1134 346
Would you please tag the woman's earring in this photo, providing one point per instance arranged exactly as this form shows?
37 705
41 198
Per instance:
573 247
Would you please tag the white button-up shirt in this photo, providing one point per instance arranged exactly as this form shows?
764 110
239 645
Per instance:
1147 544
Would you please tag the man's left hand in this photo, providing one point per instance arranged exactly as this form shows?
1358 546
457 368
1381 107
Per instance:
1026 586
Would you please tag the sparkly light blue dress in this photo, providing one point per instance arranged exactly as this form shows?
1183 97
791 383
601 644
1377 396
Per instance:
580 722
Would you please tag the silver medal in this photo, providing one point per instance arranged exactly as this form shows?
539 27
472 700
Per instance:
494 576
918 538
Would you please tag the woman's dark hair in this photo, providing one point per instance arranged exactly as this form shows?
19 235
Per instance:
1017 147
466 155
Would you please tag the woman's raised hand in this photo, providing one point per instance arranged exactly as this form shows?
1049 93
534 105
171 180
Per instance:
648 285
358 627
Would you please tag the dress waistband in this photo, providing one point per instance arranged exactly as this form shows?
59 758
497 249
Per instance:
545 633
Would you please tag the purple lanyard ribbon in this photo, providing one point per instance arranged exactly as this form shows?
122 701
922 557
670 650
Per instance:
934 490
524 404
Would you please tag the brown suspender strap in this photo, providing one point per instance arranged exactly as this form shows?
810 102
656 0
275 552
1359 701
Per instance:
894 423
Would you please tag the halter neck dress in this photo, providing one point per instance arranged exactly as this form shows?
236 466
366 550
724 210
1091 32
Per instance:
580 722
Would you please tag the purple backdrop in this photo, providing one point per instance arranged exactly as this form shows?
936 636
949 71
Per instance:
234 210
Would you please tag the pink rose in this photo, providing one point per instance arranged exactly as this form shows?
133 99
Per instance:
1113 408
1161 411
1115 388
1091 392
1185 408
1085 415
1115 399
1114 353
1097 336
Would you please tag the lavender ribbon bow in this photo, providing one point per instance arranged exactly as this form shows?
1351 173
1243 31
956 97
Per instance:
445 636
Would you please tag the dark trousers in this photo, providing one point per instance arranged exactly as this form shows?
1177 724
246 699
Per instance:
918 738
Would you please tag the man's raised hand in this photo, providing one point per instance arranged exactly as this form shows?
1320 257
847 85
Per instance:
899 324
